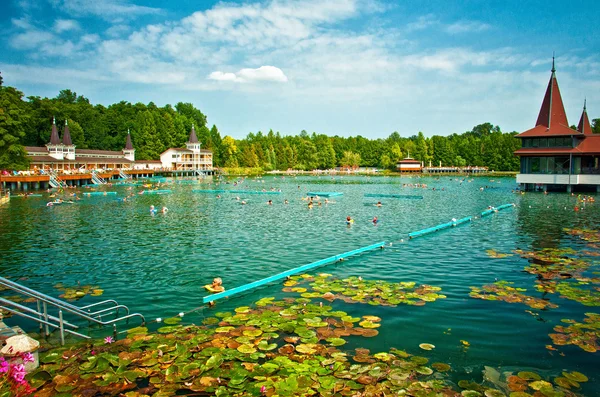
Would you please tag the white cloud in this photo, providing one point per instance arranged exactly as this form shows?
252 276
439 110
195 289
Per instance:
263 73
117 31
63 25
30 39
220 76
423 22
106 9
467 27
22 23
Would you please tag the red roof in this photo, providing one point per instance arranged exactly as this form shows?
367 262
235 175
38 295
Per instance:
67 135
193 137
589 145
543 131
552 119
128 145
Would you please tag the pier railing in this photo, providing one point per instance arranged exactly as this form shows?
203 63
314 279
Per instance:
92 313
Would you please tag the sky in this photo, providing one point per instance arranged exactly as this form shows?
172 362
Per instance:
337 67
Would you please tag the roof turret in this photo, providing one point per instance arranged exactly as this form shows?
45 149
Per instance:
54 139
193 137
128 145
584 122
67 135
552 112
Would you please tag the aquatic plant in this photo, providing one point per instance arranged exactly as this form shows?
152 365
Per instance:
584 335
589 235
495 254
78 292
359 290
287 347
503 291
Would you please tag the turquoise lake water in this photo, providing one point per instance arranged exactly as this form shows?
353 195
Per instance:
157 264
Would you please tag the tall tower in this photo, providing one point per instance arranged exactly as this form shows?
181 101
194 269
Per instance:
55 148
194 145
129 151
68 147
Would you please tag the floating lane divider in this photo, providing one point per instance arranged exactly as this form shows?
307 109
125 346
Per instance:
161 191
456 222
490 211
325 194
233 191
443 226
406 196
291 272
98 193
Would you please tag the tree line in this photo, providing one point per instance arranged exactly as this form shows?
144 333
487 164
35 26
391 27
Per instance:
27 122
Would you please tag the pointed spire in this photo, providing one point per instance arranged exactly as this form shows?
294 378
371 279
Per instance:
54 139
584 122
553 68
128 145
193 137
67 135
552 111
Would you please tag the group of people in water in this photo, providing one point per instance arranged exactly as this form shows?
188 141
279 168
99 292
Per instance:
153 210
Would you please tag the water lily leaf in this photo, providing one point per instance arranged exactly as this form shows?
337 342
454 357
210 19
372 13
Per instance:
373 319
336 341
252 332
242 309
246 348
493 393
470 393
519 394
563 382
306 348
527 375
426 346
137 331
266 346
172 320
169 329
51 357
214 362
369 324
224 330
539 384
424 370
442 367
576 376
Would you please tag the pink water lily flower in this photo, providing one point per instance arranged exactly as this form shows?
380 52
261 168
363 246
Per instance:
109 339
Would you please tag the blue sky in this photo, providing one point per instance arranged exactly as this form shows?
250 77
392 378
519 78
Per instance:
345 67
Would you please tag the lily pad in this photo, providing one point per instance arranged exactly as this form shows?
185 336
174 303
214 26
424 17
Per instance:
427 346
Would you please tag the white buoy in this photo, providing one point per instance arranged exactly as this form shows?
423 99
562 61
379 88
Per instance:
158 320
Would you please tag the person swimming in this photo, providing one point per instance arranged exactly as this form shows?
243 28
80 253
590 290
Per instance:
270 202
378 204
164 210
375 220
310 204
286 201
349 220
152 210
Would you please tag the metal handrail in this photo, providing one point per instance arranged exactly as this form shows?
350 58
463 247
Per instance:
61 305
47 323
56 302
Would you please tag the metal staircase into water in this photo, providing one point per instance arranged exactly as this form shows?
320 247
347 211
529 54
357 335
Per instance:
123 175
97 179
55 180
50 312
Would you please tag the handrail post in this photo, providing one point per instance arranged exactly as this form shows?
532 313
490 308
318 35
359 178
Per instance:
62 328
46 317
39 310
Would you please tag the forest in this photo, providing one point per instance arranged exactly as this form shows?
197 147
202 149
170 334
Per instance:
27 122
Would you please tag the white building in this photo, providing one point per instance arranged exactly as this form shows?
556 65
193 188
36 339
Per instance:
190 158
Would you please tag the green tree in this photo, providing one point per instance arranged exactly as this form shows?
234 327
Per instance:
13 119
351 159
229 152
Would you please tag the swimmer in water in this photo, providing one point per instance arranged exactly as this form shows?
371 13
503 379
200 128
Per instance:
164 210
270 202
349 220
310 204
286 201
152 210
378 204
375 220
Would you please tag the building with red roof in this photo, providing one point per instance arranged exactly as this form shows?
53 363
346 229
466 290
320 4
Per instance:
555 156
